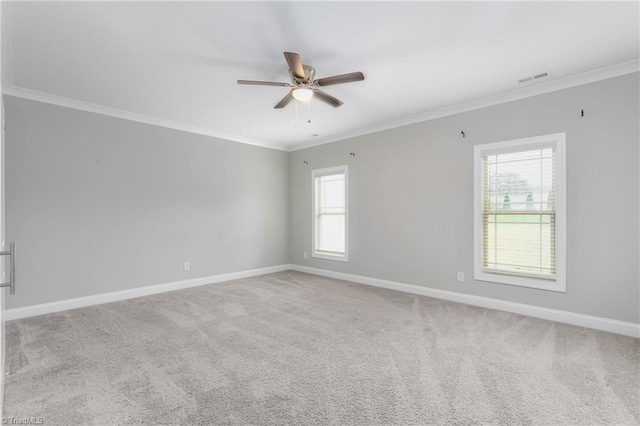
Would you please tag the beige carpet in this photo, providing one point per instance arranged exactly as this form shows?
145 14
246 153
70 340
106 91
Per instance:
292 348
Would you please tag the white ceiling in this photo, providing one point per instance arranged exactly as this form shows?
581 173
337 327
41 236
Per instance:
176 63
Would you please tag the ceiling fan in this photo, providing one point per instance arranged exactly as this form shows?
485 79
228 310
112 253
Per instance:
303 86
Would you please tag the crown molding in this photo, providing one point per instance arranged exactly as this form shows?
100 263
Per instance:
532 90
48 98
514 95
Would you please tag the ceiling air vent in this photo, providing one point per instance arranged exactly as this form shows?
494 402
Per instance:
533 77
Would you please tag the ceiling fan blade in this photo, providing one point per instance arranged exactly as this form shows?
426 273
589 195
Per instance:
339 79
295 65
285 101
327 98
263 83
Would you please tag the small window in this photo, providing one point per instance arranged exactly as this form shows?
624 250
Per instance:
520 212
330 213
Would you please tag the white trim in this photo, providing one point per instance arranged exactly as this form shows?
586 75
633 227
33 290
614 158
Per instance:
526 92
582 320
325 172
97 299
514 95
557 140
327 256
5 79
35 95
3 334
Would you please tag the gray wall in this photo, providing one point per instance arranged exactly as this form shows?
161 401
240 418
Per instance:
99 204
411 198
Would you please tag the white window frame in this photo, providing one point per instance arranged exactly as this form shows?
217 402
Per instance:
558 141
326 172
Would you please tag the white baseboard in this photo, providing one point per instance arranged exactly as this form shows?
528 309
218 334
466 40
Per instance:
589 321
81 302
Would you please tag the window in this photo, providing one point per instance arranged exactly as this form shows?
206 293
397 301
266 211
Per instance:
520 212
330 213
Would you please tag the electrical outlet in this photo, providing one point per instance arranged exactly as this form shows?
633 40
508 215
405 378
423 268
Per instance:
461 277
187 266
305 255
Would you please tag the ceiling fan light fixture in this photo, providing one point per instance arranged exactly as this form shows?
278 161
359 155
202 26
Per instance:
302 94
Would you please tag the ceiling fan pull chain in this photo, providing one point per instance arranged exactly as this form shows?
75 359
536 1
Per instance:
296 113
309 112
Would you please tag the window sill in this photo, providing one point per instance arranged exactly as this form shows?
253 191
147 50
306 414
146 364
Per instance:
558 285
326 256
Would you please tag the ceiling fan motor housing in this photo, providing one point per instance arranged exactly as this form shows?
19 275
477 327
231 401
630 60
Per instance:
309 75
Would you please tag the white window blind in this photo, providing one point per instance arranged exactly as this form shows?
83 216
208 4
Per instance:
330 213
520 213
519 218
